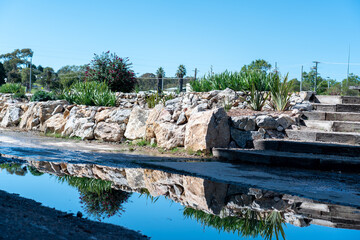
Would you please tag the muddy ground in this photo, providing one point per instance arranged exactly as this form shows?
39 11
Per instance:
22 218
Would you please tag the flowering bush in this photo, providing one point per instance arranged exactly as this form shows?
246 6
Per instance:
115 71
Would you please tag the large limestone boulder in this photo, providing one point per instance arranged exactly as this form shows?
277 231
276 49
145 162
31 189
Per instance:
54 124
119 116
84 129
12 116
46 109
169 135
150 122
80 123
109 132
136 127
206 130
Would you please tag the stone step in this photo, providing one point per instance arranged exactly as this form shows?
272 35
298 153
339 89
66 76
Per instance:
289 159
350 100
307 147
333 126
332 116
322 136
327 99
337 107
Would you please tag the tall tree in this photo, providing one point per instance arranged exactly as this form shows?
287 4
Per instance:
180 73
2 74
71 74
160 73
257 65
14 61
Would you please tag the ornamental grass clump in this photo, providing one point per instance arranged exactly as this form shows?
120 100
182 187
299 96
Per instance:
280 93
91 94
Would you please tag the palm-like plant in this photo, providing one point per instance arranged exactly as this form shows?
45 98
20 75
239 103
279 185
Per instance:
160 73
180 73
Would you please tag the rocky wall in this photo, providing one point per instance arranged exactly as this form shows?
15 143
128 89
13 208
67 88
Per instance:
196 121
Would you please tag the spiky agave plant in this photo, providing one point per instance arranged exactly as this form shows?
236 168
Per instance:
180 73
280 97
256 98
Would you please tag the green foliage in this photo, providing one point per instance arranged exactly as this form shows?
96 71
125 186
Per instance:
257 65
180 73
40 96
353 80
249 223
280 93
91 94
2 74
68 75
86 184
16 89
14 168
256 98
155 98
12 88
142 143
14 61
98 198
160 72
34 171
114 71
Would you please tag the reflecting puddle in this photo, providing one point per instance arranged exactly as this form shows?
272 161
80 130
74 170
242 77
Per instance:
166 205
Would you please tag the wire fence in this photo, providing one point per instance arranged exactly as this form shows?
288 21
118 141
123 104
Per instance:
168 84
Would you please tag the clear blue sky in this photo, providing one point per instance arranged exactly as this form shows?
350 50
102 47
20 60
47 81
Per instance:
225 34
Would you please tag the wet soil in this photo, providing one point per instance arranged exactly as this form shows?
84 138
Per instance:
26 219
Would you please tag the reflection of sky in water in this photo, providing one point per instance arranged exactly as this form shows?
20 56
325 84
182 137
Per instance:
160 220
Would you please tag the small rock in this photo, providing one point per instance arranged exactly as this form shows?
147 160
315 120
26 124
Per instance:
280 128
182 119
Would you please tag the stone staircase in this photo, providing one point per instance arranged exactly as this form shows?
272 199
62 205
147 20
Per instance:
329 140
335 119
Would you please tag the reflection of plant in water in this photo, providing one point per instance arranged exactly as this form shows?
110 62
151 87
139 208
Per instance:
146 192
248 224
106 204
34 171
14 168
98 198
84 184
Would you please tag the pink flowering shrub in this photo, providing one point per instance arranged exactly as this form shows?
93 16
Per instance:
115 71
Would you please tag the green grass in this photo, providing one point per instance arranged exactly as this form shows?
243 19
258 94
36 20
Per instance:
142 143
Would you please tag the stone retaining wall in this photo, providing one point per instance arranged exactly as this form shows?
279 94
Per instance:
196 121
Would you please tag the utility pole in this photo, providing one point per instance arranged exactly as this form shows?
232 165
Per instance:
316 70
301 79
348 68
195 73
276 67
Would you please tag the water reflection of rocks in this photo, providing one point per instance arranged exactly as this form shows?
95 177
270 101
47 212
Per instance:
224 206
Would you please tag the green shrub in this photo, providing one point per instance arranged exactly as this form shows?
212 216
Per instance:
90 93
280 93
42 96
12 88
115 71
